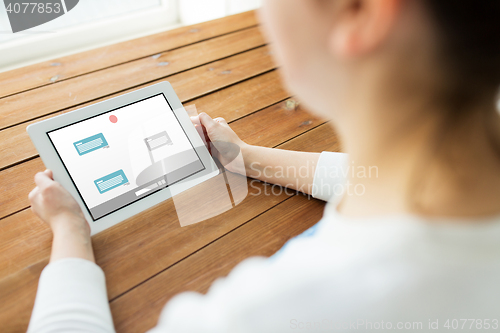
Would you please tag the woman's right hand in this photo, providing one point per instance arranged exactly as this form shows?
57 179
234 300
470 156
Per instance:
219 135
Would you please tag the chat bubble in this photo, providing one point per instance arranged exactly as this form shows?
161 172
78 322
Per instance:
90 144
111 181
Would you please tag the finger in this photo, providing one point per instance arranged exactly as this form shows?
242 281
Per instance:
33 194
201 133
221 120
195 119
207 121
42 180
49 173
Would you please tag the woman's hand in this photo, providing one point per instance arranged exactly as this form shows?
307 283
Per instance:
265 164
217 134
53 204
56 207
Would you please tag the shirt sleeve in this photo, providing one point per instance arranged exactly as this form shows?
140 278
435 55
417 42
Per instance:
330 175
71 297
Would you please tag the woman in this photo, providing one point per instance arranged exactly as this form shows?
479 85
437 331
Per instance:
411 88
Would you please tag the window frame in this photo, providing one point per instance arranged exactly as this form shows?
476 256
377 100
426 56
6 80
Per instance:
42 47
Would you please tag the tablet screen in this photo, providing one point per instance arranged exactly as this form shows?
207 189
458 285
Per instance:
126 154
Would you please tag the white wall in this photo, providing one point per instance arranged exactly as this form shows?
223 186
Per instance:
195 11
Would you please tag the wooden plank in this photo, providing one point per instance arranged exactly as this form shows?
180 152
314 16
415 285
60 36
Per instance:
60 69
17 295
49 99
231 103
291 124
135 250
266 128
116 271
139 309
244 98
25 240
145 245
17 305
217 75
16 182
15 185
319 139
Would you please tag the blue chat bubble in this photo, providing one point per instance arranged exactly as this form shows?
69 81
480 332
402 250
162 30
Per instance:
90 144
111 181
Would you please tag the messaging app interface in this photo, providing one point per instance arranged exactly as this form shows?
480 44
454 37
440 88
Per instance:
124 155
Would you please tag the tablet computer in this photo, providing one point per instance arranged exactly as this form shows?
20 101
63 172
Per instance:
124 155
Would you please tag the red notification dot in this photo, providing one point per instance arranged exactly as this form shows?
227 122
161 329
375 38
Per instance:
113 119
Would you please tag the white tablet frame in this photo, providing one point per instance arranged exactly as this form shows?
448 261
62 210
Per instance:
38 134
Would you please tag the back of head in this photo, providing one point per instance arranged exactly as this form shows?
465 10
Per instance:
469 34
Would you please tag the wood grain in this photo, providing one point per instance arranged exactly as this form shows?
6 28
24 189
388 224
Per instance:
15 251
16 182
132 251
17 296
223 69
21 299
56 70
269 127
139 309
244 98
15 196
15 185
319 139
49 99
231 103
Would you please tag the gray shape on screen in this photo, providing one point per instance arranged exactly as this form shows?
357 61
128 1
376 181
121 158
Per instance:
158 140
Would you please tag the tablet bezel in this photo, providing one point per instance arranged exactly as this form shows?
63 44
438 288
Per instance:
38 133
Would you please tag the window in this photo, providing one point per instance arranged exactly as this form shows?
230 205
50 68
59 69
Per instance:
92 23
95 23
195 11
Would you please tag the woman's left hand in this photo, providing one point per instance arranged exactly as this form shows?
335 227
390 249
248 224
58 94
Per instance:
54 205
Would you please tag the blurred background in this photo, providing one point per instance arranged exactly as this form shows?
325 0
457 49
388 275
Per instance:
95 23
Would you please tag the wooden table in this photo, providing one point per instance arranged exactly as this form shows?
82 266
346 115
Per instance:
223 67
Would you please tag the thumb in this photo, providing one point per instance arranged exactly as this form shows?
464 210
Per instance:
207 121
49 173
42 179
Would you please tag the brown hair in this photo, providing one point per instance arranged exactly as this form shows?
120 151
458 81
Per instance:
469 32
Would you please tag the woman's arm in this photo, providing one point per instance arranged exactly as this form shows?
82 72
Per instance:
283 167
71 294
287 168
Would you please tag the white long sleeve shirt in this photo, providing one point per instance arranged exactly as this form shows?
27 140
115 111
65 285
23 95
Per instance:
389 273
